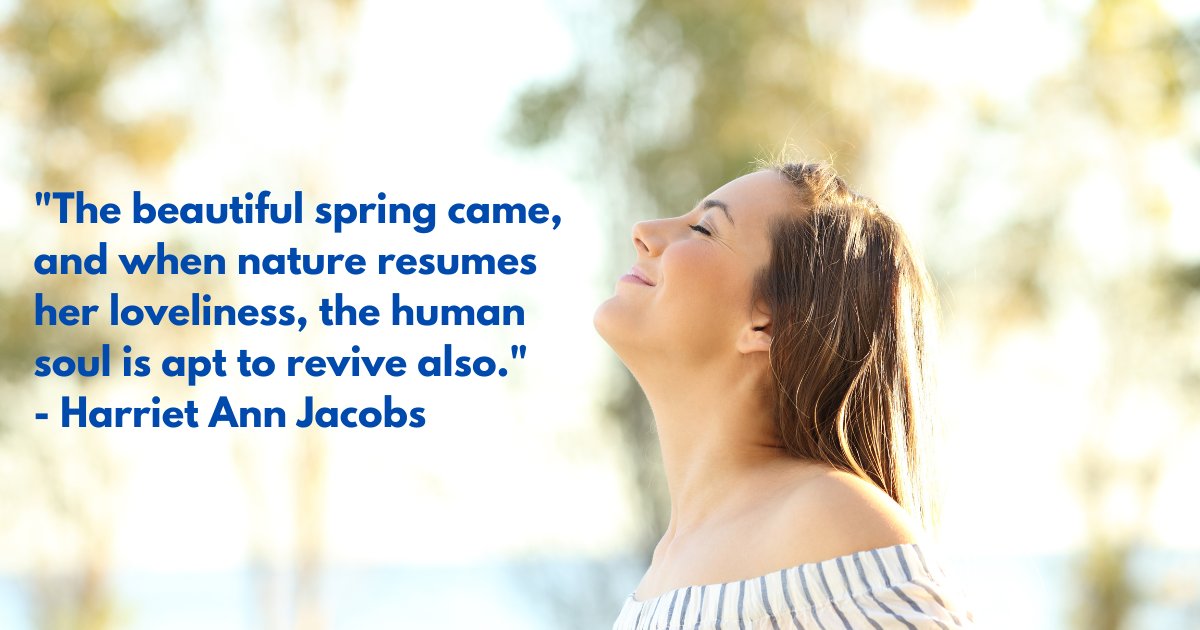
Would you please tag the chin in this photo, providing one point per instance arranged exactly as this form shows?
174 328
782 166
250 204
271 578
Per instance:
605 318
618 323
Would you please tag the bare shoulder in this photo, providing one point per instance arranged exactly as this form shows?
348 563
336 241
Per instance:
832 513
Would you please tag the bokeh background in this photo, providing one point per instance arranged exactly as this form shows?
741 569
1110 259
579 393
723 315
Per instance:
1044 154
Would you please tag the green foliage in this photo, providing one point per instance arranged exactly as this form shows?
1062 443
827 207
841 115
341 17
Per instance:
542 110
697 91
71 51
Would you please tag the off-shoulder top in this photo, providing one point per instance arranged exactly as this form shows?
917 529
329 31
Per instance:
902 587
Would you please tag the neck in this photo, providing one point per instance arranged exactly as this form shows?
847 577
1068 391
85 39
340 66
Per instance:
717 439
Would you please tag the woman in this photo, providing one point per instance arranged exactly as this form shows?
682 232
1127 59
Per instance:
781 331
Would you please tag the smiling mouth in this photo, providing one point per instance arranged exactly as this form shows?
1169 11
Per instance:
635 276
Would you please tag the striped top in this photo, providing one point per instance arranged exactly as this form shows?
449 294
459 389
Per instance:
901 587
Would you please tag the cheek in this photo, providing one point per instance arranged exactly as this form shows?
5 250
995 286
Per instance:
704 290
695 312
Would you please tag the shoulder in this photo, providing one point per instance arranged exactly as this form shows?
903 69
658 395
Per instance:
829 514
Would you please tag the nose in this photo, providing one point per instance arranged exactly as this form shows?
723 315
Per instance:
649 237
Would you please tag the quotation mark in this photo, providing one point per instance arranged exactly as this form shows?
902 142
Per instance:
515 349
43 197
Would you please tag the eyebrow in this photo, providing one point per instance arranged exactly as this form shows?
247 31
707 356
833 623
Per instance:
715 203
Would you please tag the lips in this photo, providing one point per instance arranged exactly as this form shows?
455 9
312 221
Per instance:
636 276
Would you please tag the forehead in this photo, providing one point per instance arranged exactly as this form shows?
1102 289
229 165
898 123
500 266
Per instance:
754 199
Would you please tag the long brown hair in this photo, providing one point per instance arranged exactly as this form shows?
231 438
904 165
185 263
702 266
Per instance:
854 319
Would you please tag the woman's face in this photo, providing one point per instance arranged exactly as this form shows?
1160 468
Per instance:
688 297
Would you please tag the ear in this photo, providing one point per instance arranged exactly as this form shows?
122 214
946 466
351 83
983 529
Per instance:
757 335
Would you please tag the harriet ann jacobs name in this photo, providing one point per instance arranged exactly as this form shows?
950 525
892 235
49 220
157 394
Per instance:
223 413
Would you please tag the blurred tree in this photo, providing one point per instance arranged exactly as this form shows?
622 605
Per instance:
1095 125
316 36
70 57
65 54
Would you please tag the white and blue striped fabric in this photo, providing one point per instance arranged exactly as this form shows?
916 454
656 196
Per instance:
902 587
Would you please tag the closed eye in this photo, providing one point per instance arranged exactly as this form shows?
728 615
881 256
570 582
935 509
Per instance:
701 229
